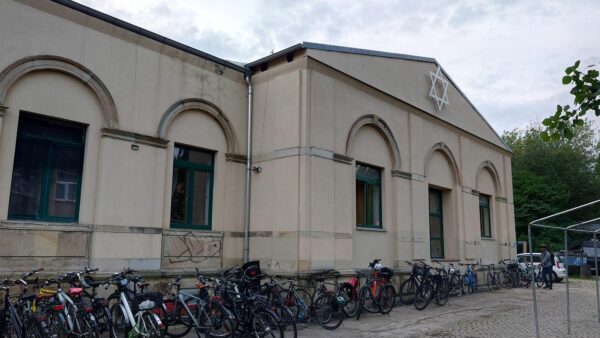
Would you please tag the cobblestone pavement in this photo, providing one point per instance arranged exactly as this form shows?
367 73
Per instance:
506 313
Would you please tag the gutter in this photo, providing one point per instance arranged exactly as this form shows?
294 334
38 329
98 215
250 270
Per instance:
246 254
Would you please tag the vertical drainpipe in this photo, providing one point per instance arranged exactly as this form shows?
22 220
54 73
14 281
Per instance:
246 254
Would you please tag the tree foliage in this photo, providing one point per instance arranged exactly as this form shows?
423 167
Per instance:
585 89
552 176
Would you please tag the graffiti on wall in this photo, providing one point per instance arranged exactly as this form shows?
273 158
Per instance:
190 248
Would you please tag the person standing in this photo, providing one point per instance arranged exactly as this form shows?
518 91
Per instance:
547 267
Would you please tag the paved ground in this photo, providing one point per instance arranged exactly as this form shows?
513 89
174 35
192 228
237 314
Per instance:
506 313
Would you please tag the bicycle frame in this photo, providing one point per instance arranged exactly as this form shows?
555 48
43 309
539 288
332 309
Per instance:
201 304
64 299
14 318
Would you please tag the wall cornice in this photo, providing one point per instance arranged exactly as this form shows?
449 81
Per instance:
135 137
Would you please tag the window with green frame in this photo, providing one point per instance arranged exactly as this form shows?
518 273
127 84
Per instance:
485 220
368 197
191 197
436 224
46 179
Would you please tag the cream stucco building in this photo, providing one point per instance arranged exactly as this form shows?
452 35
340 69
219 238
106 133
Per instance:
119 147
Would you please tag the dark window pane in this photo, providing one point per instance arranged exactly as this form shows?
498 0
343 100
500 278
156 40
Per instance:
201 198
30 158
484 201
436 248
50 129
367 173
360 204
374 205
179 195
435 201
368 196
64 177
435 227
484 216
47 168
436 224
193 155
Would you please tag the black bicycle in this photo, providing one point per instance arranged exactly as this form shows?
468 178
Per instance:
409 287
434 286
18 317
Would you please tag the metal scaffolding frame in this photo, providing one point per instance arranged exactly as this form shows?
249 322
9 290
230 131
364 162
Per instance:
565 230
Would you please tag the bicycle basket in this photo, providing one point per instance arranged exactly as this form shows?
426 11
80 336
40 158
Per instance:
252 269
155 297
386 273
512 266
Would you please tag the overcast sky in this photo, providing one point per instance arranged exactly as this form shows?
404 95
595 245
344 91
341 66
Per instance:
508 57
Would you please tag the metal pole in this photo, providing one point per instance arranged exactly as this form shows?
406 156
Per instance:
565 211
535 309
246 251
596 269
567 275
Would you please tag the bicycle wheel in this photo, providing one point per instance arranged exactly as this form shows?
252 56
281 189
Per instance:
34 330
216 321
490 281
286 321
407 291
265 324
104 321
351 299
507 279
456 285
299 302
328 312
387 298
149 326
498 281
475 283
119 319
423 295
177 324
442 292
539 280
90 325
361 301
371 303
57 325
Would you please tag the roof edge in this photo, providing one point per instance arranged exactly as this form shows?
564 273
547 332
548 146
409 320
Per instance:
146 33
339 49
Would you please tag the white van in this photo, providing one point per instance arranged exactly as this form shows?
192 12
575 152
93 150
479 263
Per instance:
558 269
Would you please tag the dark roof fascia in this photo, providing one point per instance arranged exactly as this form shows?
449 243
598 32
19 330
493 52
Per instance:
339 49
275 55
146 33
367 52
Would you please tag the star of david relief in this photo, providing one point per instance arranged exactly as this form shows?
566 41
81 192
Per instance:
439 85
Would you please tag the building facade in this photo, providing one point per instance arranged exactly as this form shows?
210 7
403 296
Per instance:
119 147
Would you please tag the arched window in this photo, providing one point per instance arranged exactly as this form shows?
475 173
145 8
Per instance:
46 181
191 197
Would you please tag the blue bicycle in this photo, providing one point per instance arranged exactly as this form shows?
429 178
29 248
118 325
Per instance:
469 279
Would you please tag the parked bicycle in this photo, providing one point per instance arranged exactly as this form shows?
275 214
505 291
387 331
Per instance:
469 278
434 286
18 316
409 287
136 313
378 293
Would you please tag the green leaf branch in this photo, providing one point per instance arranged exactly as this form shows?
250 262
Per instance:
585 89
